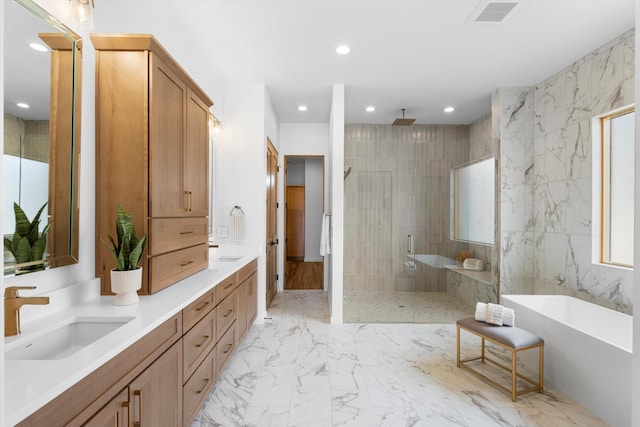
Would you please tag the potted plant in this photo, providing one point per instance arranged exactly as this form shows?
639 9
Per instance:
27 244
126 278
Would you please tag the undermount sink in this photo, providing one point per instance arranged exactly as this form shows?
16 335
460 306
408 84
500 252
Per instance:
64 340
227 258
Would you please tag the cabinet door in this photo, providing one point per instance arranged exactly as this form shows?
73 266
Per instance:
114 413
252 299
242 301
196 155
156 394
166 140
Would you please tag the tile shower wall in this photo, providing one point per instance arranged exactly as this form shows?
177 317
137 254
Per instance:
379 204
544 138
562 174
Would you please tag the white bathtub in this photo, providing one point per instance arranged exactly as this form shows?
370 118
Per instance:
588 351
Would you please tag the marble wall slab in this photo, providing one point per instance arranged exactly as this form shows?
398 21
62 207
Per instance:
546 229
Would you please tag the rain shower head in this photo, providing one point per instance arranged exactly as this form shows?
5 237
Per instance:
403 121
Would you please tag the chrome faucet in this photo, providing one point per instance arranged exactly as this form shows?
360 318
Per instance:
12 304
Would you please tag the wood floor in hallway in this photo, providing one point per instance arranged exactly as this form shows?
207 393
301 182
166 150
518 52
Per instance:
304 275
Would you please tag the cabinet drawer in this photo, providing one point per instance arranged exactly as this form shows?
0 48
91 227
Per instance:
224 350
226 313
197 343
171 234
169 268
196 390
197 310
246 271
225 287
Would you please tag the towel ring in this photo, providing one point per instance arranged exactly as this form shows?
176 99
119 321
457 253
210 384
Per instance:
236 207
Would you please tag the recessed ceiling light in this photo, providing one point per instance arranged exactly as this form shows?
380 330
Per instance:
449 109
343 49
38 47
302 108
370 109
23 105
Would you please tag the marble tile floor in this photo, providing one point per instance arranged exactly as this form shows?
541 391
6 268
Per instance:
299 370
403 307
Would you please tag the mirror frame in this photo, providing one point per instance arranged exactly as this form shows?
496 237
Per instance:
64 137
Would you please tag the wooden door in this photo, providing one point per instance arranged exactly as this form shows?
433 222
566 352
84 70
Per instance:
295 222
196 155
272 222
115 413
156 394
166 142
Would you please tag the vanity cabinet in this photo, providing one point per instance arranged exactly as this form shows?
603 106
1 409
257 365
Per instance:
152 145
147 372
115 413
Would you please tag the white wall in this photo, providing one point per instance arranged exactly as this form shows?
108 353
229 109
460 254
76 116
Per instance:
635 412
334 268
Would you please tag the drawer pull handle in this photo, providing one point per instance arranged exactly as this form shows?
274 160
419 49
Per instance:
137 395
204 340
184 264
186 232
228 286
228 348
202 306
228 313
204 385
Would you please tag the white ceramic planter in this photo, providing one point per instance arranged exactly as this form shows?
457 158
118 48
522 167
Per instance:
125 285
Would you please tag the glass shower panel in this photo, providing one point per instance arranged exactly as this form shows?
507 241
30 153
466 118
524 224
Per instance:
397 222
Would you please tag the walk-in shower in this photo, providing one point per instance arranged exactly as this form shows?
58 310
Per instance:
397 222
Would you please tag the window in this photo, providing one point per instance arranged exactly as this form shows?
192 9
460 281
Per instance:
617 188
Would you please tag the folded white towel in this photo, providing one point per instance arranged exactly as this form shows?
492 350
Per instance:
509 317
481 312
495 314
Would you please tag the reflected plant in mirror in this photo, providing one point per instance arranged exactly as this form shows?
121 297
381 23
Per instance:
41 132
473 201
28 242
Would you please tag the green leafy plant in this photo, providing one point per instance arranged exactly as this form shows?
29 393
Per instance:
128 248
28 243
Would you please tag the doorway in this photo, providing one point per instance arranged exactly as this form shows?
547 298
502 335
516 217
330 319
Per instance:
304 207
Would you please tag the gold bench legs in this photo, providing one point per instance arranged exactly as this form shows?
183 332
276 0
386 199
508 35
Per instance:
536 386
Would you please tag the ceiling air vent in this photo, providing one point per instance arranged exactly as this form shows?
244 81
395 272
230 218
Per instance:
492 12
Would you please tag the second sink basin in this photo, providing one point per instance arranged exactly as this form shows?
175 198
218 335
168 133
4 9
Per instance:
228 258
64 340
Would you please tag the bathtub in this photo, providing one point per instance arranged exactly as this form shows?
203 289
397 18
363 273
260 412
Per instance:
588 351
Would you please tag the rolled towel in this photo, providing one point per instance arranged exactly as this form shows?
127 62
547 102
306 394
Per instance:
509 317
481 312
495 314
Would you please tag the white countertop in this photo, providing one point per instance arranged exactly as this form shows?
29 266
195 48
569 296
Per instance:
30 384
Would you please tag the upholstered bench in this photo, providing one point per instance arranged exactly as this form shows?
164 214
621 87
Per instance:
511 338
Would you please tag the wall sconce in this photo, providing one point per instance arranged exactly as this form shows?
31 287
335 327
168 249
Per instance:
82 13
214 123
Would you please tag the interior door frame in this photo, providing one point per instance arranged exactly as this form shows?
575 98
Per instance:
324 190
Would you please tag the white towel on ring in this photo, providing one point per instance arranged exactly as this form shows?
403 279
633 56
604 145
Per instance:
325 235
509 317
238 225
481 312
495 314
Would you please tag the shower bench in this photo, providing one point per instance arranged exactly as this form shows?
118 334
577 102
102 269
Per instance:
510 338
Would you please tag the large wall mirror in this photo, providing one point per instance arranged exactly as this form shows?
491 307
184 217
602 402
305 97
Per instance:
43 62
473 201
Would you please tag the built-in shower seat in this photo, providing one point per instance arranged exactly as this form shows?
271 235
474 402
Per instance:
510 338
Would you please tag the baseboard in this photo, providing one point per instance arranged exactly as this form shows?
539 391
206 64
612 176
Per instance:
313 259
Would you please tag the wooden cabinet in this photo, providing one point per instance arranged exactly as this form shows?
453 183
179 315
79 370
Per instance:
115 413
152 145
95 398
164 378
155 396
247 298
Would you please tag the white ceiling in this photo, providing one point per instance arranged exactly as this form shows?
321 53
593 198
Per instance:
421 55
